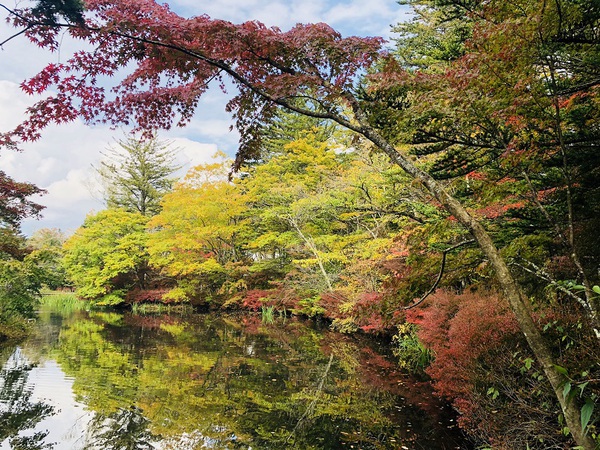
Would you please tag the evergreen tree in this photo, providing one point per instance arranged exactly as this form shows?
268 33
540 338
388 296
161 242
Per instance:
138 174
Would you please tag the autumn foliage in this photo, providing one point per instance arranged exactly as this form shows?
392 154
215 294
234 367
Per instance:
459 329
491 110
15 204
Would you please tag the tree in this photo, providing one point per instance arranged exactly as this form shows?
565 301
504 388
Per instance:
521 118
138 175
14 203
292 202
107 256
288 126
46 249
195 236
173 59
21 278
437 33
50 10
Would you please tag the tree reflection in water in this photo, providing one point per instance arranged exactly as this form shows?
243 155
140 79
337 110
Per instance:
18 414
220 382
125 429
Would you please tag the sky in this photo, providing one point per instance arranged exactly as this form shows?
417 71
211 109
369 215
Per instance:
62 161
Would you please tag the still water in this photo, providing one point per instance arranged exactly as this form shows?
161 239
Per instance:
105 380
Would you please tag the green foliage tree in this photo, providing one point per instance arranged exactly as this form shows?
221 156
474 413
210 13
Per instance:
46 249
436 34
196 235
289 126
137 174
19 278
19 294
51 10
294 210
108 255
325 219
22 275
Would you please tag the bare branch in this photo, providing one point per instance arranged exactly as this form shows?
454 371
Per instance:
23 31
439 278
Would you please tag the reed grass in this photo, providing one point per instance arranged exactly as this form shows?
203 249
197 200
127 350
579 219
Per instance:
65 302
268 314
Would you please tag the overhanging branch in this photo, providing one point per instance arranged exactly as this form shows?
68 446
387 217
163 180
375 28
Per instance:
440 274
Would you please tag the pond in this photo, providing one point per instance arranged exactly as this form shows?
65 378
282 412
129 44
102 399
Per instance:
107 380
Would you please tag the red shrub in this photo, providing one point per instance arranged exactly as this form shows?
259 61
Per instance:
331 302
254 299
375 313
146 296
459 329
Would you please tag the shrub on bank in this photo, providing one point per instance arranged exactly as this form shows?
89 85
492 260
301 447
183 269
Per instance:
483 367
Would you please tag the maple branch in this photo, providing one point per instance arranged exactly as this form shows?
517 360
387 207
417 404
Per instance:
24 30
440 274
230 70
286 102
272 62
380 212
30 23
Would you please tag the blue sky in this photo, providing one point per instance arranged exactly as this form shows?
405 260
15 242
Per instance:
61 162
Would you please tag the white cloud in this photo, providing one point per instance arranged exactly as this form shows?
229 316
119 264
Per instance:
192 153
353 17
73 188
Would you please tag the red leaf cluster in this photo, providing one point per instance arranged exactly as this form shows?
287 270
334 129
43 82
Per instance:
372 313
14 204
331 301
459 329
146 296
497 210
254 299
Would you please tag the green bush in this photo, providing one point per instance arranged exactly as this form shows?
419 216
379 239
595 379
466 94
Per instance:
19 296
411 353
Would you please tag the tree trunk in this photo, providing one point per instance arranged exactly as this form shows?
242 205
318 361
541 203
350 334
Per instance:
513 293
313 248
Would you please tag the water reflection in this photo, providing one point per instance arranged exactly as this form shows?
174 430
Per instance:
19 415
206 381
125 429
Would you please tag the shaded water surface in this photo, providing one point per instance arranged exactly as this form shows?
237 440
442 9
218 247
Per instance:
119 381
